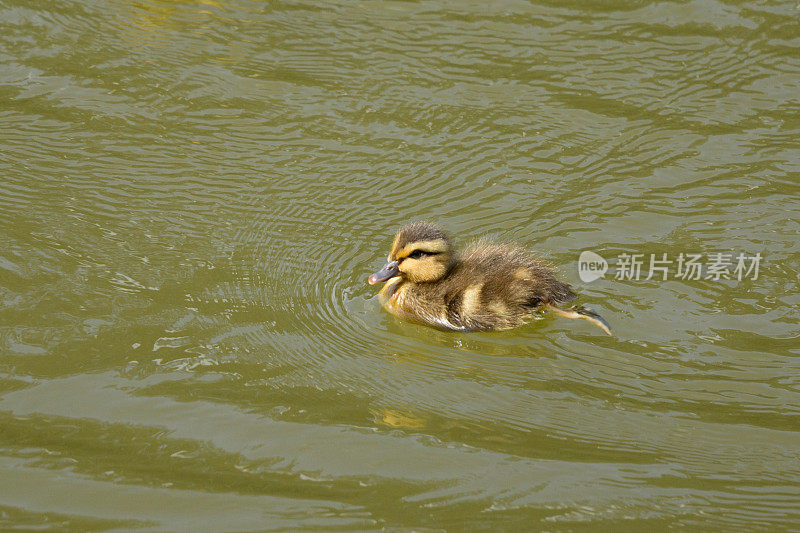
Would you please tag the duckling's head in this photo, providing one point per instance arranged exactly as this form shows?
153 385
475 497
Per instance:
421 252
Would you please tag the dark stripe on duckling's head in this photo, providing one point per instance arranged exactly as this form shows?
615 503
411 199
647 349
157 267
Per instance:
422 236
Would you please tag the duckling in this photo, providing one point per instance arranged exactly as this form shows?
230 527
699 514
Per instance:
487 287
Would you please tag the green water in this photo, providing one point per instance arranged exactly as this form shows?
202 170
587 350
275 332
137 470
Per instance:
192 195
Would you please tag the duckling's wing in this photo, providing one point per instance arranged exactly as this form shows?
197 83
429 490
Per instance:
497 286
536 284
471 298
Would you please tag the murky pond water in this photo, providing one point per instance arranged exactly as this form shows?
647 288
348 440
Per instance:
193 194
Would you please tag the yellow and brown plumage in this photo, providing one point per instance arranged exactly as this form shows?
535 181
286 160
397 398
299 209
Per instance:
487 287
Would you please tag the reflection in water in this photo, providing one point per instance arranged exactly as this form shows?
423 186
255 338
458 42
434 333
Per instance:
194 194
398 419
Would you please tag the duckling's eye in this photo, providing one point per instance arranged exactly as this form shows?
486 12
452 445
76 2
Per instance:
416 254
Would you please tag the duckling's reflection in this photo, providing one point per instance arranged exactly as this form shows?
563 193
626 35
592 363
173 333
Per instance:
156 20
396 418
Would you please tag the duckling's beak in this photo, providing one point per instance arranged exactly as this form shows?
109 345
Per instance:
389 270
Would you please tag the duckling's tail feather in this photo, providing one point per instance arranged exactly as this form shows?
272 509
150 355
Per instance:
581 312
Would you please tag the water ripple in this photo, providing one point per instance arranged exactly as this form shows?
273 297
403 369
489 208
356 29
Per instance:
193 196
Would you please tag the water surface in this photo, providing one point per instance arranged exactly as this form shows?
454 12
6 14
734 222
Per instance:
193 195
